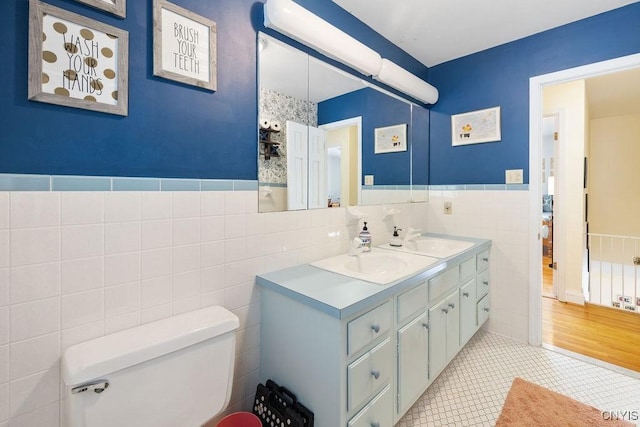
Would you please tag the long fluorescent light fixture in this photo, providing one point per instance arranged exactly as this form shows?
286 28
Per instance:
293 20
399 78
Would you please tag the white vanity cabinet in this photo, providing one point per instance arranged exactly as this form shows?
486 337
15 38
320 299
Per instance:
362 361
341 369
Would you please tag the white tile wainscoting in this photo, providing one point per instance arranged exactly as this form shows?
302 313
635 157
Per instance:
78 265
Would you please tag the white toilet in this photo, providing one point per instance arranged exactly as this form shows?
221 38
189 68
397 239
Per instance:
176 372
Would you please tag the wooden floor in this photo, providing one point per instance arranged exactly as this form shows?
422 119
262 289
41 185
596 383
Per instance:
604 333
547 276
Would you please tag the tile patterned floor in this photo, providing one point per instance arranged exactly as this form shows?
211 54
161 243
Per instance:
472 389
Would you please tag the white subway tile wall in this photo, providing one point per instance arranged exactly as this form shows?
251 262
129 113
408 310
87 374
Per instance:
78 265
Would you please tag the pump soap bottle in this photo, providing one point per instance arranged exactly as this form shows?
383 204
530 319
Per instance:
395 239
365 236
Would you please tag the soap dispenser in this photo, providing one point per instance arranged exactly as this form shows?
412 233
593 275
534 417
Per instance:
365 236
395 241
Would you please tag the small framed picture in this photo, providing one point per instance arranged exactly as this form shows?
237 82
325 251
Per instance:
184 46
476 127
117 7
77 62
391 139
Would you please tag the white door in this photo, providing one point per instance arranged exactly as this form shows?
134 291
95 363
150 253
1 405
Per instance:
296 166
318 197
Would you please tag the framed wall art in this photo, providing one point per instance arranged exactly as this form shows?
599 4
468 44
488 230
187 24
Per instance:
117 7
391 139
184 46
77 62
476 127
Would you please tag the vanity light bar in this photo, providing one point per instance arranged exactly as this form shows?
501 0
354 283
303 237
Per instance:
291 19
399 78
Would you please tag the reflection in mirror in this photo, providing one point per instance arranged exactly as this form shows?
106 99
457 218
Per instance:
317 135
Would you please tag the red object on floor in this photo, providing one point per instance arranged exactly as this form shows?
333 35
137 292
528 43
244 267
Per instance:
240 419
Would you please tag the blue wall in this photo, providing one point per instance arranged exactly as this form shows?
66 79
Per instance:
500 77
377 110
172 130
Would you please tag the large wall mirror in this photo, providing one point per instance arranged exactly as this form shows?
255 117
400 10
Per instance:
328 138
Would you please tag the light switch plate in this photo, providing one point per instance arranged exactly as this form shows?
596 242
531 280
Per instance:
368 180
513 176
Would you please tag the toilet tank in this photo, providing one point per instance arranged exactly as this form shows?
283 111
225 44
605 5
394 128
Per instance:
173 372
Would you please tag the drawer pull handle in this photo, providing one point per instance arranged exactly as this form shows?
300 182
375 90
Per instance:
452 305
486 309
426 326
485 282
466 294
376 374
445 310
375 328
375 424
485 259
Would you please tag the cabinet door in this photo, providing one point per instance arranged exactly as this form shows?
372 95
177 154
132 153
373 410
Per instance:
413 362
438 338
453 325
468 322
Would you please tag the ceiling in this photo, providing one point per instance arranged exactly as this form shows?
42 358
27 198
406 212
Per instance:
436 31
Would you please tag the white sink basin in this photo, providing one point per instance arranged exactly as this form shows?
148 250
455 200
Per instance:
378 266
432 246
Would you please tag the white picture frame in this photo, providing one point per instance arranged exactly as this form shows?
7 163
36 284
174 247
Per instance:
391 139
476 127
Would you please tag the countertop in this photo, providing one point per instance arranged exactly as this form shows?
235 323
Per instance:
342 296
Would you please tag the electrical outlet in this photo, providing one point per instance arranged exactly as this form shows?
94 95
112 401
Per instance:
368 180
513 176
448 208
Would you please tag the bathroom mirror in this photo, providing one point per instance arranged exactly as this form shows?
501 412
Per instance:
317 136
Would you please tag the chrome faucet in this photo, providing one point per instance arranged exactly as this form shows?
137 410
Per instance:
357 247
412 234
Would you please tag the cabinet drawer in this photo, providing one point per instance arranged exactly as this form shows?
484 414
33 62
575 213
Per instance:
441 284
412 301
368 373
368 327
483 310
482 284
482 260
377 413
467 269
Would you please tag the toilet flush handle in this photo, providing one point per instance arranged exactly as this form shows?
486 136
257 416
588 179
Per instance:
97 386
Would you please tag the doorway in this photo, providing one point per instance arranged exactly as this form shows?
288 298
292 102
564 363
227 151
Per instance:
537 85
344 145
550 142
